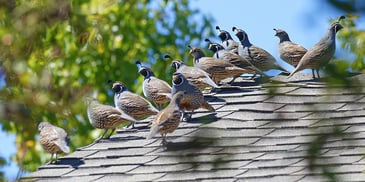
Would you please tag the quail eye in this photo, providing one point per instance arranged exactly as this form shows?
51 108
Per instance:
144 72
117 88
178 80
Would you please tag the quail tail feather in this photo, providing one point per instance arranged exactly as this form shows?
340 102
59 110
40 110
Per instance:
154 130
207 106
63 146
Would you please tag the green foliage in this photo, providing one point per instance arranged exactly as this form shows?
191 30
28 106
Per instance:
353 40
53 53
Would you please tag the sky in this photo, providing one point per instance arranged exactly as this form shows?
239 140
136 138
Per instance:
306 22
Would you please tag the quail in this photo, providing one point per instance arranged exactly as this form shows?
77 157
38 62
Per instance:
217 68
227 41
322 52
53 139
195 75
132 104
157 90
168 119
289 51
193 97
260 58
105 117
235 59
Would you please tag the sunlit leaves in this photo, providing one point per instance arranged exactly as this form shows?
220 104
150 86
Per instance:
353 40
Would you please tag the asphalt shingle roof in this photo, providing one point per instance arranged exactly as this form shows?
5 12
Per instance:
260 132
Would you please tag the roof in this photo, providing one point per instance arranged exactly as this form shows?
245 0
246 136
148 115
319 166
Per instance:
260 132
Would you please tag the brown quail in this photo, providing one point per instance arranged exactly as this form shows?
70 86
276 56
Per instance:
193 97
157 90
168 119
289 51
105 117
53 139
132 104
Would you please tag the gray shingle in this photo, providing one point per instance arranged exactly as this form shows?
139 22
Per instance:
284 140
79 154
311 107
279 163
246 99
269 172
343 114
235 124
313 178
118 144
271 179
250 115
117 161
285 99
301 123
77 178
148 169
231 133
135 177
185 151
199 175
352 107
264 107
51 172
120 153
